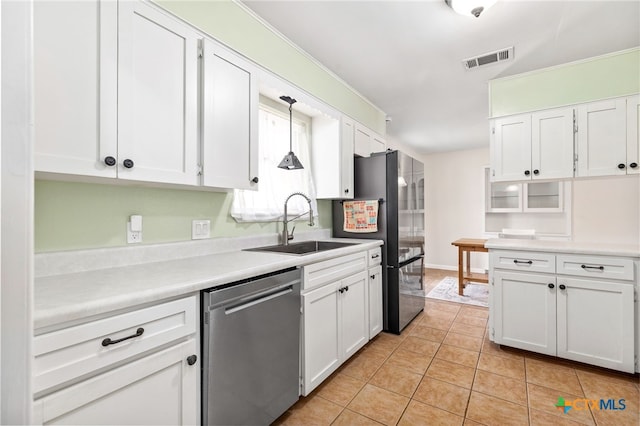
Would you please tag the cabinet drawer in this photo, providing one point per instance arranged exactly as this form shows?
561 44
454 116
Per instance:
526 261
79 351
331 270
374 256
596 267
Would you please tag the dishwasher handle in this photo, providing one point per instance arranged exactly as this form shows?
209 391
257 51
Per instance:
257 300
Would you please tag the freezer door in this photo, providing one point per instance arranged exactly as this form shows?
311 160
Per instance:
411 290
404 294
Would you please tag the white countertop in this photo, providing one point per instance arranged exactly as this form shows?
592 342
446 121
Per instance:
75 296
627 250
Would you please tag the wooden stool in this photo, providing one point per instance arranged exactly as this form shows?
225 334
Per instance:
469 245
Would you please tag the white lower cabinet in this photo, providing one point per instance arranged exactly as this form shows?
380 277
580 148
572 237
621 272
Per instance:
321 353
375 298
157 389
354 314
137 367
525 311
602 336
341 312
588 316
336 322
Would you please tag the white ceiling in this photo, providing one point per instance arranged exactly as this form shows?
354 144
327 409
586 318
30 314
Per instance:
406 56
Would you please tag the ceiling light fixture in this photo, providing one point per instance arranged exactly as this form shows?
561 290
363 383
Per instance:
290 161
470 7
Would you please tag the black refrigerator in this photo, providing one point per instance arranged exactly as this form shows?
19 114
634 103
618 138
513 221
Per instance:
397 181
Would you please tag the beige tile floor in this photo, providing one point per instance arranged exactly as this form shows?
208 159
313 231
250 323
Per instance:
443 370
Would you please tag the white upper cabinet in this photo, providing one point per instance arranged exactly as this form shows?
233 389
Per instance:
602 140
366 141
157 96
511 148
347 133
362 141
533 146
332 156
230 120
378 144
75 81
552 144
633 134
116 92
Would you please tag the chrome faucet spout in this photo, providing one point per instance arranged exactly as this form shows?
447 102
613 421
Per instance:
286 237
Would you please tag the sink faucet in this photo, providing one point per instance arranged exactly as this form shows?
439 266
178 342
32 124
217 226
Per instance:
286 237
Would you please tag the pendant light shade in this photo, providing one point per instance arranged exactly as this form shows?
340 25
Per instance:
290 161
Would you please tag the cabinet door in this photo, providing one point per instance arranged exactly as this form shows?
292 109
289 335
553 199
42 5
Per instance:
511 148
347 134
161 388
75 86
543 197
354 314
378 144
230 120
157 96
362 141
375 301
602 336
602 141
633 134
321 355
524 307
552 144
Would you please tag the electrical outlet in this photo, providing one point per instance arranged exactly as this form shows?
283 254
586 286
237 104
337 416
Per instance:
133 237
200 229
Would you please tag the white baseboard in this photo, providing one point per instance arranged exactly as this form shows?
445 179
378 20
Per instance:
452 268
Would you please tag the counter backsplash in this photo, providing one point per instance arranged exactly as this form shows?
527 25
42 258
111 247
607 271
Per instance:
68 262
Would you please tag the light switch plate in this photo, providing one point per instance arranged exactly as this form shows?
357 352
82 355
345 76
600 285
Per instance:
200 229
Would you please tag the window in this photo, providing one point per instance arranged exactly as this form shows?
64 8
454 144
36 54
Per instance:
267 204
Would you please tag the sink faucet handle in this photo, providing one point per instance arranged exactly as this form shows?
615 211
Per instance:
290 236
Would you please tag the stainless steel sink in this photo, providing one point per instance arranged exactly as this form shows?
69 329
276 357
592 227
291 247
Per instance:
303 247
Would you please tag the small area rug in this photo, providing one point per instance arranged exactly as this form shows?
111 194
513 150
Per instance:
474 293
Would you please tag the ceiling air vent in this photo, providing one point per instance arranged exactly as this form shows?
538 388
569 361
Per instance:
489 58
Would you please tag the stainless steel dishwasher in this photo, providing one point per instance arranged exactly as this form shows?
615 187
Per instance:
250 349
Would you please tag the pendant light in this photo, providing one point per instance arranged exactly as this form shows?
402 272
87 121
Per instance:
290 161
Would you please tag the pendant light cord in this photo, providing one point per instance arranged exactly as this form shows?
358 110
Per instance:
290 128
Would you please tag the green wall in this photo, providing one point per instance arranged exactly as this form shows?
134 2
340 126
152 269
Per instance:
607 76
71 215
229 23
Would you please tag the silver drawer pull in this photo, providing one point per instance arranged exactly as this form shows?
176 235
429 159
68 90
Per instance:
592 267
528 262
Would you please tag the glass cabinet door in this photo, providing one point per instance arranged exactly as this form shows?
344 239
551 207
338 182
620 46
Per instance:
506 196
543 197
502 196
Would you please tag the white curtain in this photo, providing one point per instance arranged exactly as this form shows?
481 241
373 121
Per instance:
267 204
